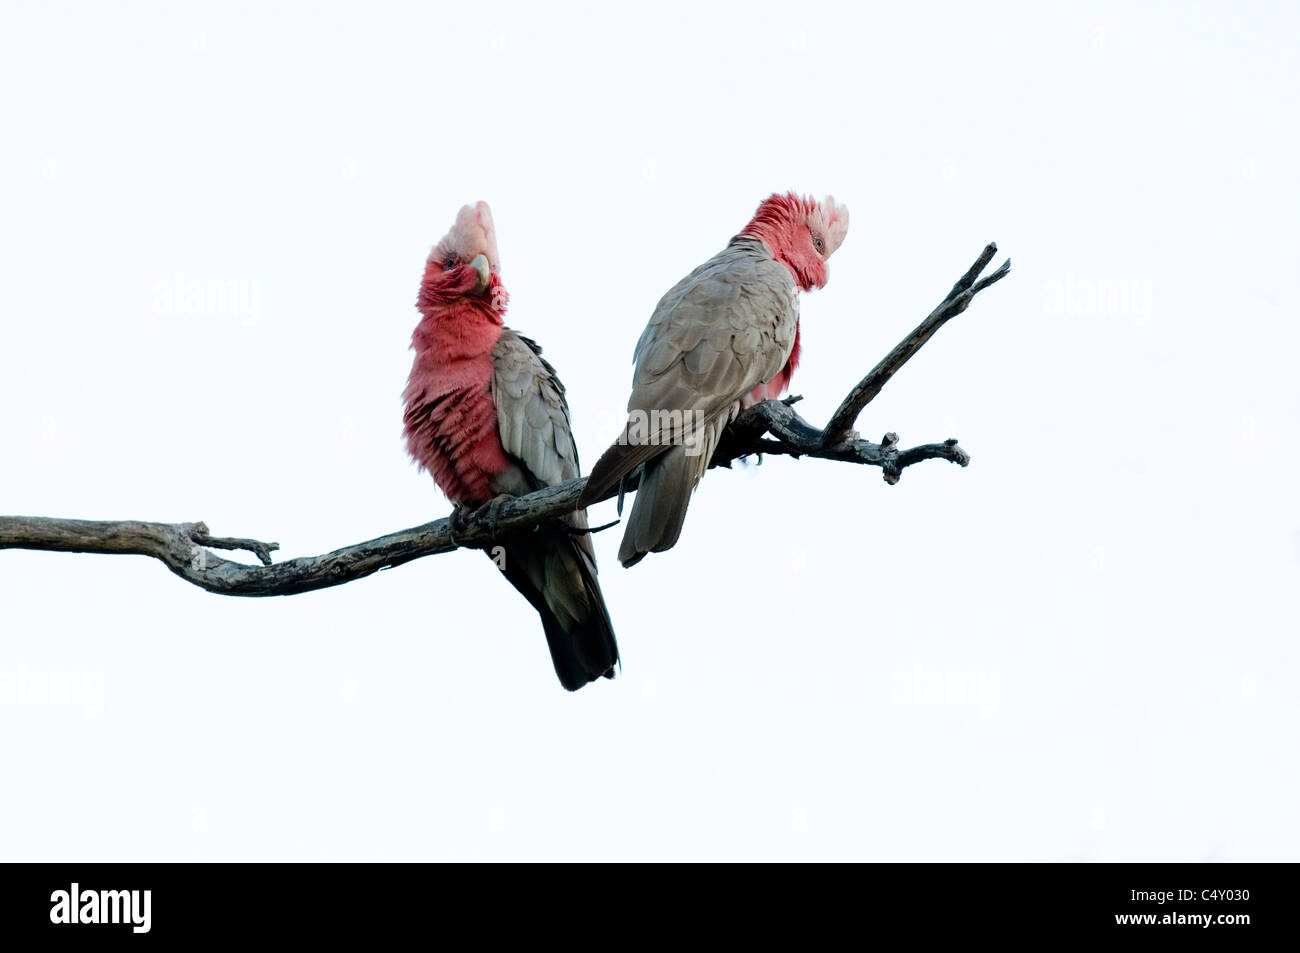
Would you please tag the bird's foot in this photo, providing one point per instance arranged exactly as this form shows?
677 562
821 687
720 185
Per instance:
458 521
491 510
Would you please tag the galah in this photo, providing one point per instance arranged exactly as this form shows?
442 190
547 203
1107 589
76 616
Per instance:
486 417
723 338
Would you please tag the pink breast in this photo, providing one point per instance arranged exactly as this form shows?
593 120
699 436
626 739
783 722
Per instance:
451 427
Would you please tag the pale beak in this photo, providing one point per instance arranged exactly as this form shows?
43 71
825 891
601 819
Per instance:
480 264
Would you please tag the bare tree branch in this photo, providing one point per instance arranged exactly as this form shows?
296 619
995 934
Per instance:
963 292
259 549
772 427
792 436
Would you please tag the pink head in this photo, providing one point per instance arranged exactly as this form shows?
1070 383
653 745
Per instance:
802 233
465 263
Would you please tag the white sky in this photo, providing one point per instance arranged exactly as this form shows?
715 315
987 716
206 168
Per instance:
1080 647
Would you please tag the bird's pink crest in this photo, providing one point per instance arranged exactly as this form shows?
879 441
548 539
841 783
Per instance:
473 234
449 274
833 219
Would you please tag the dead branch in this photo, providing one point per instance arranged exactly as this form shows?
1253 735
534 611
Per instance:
772 427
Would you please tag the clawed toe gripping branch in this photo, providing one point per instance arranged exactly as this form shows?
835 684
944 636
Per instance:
772 427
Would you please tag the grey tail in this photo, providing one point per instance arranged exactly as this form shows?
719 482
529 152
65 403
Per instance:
659 508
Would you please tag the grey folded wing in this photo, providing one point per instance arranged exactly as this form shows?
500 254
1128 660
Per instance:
533 417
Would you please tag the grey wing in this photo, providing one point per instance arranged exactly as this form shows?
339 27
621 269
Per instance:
722 331
532 415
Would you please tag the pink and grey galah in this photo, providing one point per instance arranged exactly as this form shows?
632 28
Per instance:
486 416
723 338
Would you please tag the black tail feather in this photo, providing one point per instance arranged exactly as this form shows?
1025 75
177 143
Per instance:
582 649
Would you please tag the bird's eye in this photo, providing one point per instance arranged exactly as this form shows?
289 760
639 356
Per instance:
820 244
449 264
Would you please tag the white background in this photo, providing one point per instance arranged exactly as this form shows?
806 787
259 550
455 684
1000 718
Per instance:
1082 647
